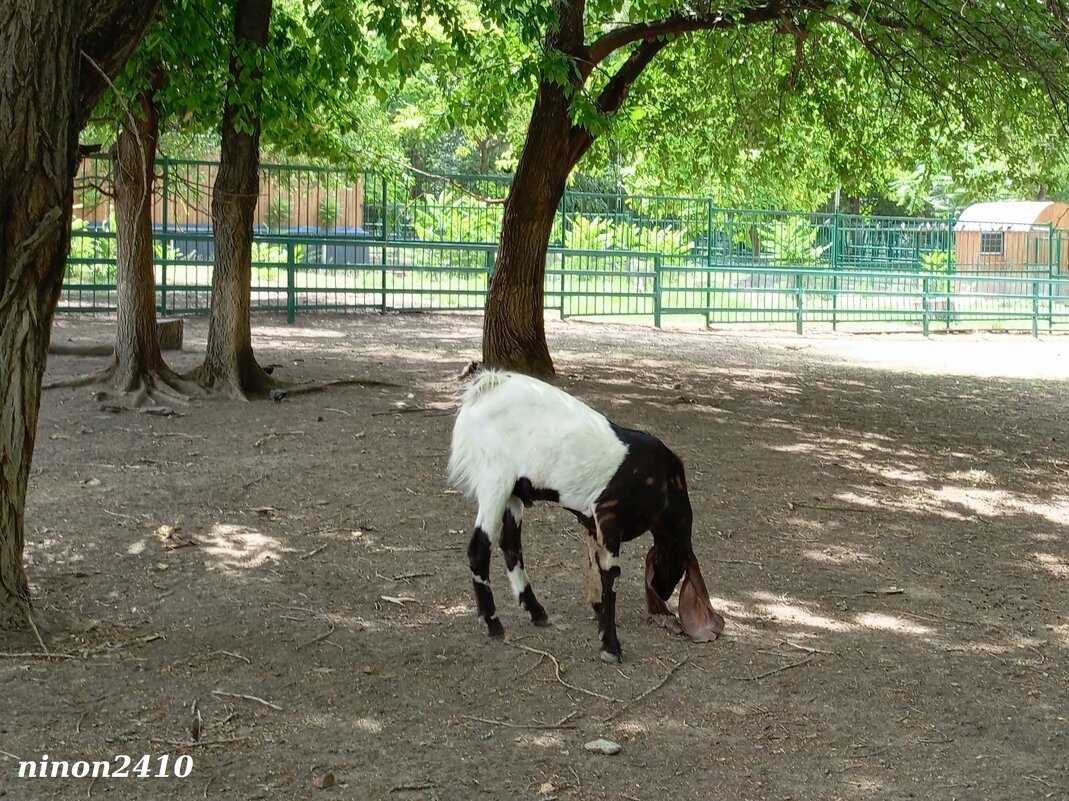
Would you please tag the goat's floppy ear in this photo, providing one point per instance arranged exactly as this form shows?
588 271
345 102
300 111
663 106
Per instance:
659 611
696 614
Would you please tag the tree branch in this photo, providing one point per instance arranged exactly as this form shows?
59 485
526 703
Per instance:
113 30
675 24
614 93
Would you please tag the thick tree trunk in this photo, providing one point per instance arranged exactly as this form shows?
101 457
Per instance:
514 334
229 364
514 331
47 89
37 160
138 367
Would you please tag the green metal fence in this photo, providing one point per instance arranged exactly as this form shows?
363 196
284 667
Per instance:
330 240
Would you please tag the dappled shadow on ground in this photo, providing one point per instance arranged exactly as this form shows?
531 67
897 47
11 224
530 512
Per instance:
888 545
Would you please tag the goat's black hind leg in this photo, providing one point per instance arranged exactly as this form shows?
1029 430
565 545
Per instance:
479 560
512 550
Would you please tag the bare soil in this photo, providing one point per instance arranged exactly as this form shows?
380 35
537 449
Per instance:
883 521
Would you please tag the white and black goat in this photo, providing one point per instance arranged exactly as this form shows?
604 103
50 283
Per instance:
518 440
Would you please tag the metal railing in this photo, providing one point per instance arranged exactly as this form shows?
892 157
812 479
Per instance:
331 240
300 274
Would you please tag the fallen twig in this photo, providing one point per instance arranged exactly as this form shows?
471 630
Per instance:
312 553
406 576
412 549
55 349
413 409
768 673
198 743
9 755
308 389
403 787
117 514
258 700
33 625
1045 783
648 692
944 618
36 655
792 505
808 649
244 659
320 638
558 670
119 646
562 724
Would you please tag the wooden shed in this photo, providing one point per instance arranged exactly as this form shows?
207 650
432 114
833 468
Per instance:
1011 237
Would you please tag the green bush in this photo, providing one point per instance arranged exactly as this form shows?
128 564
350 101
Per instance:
792 241
451 216
97 249
278 211
589 233
936 261
327 214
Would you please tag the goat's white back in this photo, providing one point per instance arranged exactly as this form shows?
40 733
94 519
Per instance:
512 426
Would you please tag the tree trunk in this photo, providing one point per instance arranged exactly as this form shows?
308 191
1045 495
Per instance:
46 94
514 333
138 366
229 364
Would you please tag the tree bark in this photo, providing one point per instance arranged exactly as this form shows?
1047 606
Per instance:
514 335
138 366
514 331
229 364
47 89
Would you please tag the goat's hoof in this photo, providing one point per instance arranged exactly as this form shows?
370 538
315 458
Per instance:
611 658
541 621
495 629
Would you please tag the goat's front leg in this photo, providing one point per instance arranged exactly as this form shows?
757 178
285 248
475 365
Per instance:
512 550
604 553
479 560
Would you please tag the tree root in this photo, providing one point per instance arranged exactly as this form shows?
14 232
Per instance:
228 384
99 377
156 391
308 389
151 390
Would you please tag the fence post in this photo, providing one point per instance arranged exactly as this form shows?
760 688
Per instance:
1035 309
657 291
385 239
950 268
291 284
563 216
165 185
708 260
925 307
835 257
800 300
1050 277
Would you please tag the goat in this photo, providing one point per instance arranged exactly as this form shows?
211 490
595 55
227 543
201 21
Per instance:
518 440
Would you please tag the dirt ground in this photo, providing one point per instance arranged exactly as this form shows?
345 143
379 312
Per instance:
882 520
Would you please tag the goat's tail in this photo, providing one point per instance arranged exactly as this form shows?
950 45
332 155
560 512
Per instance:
479 380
